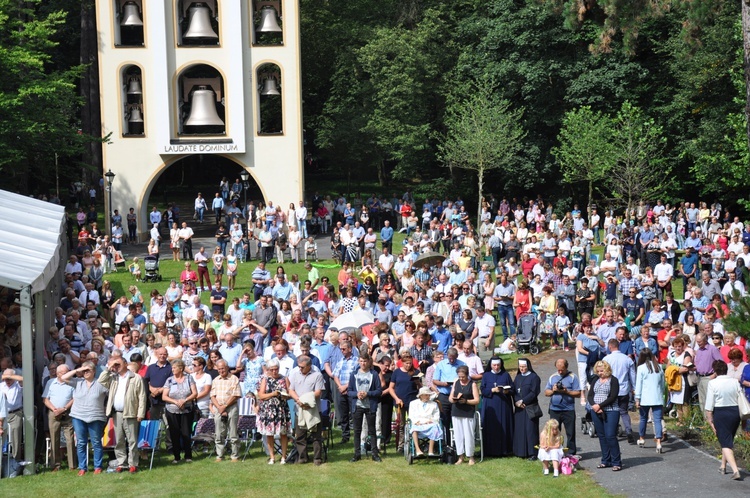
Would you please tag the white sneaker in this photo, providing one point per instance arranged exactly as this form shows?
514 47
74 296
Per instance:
270 461
546 472
283 461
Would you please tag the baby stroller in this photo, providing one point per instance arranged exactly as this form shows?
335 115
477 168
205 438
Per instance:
151 266
527 334
587 424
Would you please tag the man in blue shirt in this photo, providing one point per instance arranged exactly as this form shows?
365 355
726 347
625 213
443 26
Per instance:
443 379
688 265
342 372
322 347
693 241
230 352
564 388
58 398
283 290
260 278
386 235
623 369
442 336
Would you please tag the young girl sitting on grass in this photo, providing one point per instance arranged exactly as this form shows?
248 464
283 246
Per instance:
550 447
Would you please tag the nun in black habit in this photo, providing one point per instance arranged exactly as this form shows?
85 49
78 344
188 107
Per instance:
497 409
526 389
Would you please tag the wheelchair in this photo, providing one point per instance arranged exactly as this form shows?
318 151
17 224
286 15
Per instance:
410 451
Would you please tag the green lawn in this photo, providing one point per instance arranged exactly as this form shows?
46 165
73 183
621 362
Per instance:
392 477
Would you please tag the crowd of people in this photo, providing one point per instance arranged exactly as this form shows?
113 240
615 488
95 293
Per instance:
429 357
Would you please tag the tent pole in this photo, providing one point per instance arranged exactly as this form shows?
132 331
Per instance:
27 348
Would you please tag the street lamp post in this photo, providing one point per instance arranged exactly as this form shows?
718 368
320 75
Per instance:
110 178
245 176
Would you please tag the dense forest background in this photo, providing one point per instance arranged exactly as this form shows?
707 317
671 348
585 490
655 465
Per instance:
643 89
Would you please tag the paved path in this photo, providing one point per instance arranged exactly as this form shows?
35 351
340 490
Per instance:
678 472
204 237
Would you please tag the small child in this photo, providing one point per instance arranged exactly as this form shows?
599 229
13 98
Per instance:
135 269
508 345
562 327
549 447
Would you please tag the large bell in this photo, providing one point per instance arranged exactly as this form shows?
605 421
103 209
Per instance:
203 109
134 87
268 22
135 121
269 87
199 25
131 16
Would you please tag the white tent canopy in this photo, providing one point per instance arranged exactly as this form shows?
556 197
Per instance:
31 237
31 243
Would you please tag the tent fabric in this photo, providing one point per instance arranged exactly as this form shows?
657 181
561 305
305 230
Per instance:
31 241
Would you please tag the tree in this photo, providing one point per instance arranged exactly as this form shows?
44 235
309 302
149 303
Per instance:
586 153
639 172
483 133
38 102
625 17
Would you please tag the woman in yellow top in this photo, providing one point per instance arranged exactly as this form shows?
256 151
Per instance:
464 260
704 216
547 308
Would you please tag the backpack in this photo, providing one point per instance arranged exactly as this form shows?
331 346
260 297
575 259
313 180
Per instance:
449 455
568 464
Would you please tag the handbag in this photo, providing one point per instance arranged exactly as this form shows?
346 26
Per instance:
744 405
533 411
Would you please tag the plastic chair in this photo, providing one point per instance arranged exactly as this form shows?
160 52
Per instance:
149 436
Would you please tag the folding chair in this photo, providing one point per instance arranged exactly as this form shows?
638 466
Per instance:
48 447
205 433
246 423
118 260
326 426
149 436
478 436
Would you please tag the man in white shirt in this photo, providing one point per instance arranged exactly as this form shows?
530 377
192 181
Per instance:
385 262
11 389
471 360
484 331
608 264
127 406
186 235
594 222
633 267
732 285
663 273
301 214
73 267
90 294
735 245
158 311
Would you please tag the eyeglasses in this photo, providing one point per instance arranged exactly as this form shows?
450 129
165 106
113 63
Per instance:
192 343
405 356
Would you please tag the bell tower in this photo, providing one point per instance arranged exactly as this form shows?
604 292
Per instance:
194 77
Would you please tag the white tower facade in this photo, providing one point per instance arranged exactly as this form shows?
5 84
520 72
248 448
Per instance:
185 77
